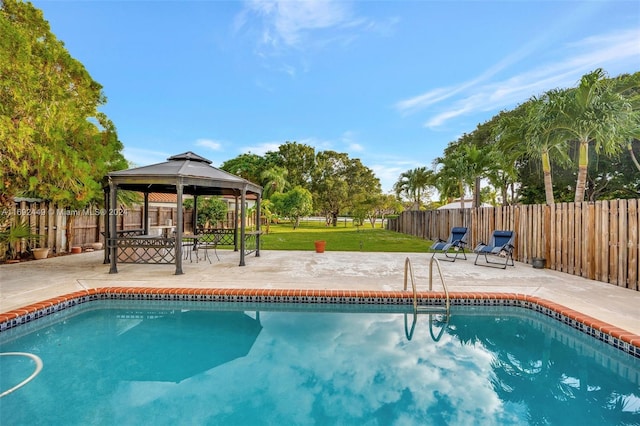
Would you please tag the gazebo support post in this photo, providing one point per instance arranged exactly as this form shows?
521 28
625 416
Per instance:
194 216
258 225
243 223
235 224
179 226
106 228
112 241
145 214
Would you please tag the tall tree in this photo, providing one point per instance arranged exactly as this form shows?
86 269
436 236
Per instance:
338 182
479 161
274 180
452 174
593 113
248 166
529 131
628 85
299 161
293 204
414 184
55 143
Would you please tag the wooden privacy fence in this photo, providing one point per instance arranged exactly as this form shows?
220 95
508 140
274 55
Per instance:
49 220
596 240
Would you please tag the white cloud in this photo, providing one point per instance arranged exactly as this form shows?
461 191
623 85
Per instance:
144 157
318 144
262 148
614 52
388 175
440 119
209 144
424 100
286 22
349 139
307 24
389 170
326 379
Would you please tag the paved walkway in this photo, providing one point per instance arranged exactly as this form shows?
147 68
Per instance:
29 282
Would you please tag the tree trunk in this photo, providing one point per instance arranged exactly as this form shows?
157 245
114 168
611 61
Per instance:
71 219
548 182
476 192
633 156
583 163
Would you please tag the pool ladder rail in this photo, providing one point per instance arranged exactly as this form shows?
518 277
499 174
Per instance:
431 310
408 273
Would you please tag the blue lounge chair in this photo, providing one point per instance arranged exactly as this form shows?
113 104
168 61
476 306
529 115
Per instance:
500 245
454 244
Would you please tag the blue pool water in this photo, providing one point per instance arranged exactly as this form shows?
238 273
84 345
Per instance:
170 363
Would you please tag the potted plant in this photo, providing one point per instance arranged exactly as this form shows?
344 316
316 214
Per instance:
41 252
12 235
539 262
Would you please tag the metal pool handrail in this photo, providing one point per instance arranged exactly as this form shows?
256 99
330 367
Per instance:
35 358
409 332
408 271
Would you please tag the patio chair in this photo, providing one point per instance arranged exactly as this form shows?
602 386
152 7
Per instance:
454 244
500 245
189 246
210 242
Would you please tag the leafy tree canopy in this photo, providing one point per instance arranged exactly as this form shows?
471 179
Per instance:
56 144
299 161
293 204
248 166
211 210
339 183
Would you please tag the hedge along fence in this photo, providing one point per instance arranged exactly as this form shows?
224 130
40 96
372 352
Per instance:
50 221
596 240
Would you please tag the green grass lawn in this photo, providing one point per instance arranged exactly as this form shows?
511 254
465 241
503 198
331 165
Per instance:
344 237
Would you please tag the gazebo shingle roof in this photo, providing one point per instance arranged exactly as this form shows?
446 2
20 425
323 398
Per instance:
195 172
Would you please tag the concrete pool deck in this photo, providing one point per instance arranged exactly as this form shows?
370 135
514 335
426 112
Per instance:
30 282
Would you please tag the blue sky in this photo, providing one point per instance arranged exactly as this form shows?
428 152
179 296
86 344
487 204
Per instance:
388 82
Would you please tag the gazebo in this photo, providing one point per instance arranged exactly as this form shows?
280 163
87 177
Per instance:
181 174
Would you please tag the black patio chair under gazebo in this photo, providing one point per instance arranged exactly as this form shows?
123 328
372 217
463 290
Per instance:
186 173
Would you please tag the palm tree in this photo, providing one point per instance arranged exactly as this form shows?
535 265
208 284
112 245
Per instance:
528 131
629 87
592 113
275 180
414 183
452 177
503 173
479 161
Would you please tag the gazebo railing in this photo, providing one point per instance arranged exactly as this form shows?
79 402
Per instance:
226 237
129 233
145 249
251 242
123 233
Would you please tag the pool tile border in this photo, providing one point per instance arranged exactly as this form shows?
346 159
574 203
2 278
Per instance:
607 333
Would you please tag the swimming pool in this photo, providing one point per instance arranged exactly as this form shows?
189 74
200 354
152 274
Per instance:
178 362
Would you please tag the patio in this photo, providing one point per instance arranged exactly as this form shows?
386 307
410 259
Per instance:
30 282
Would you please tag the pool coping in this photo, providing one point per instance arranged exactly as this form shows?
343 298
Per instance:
605 332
